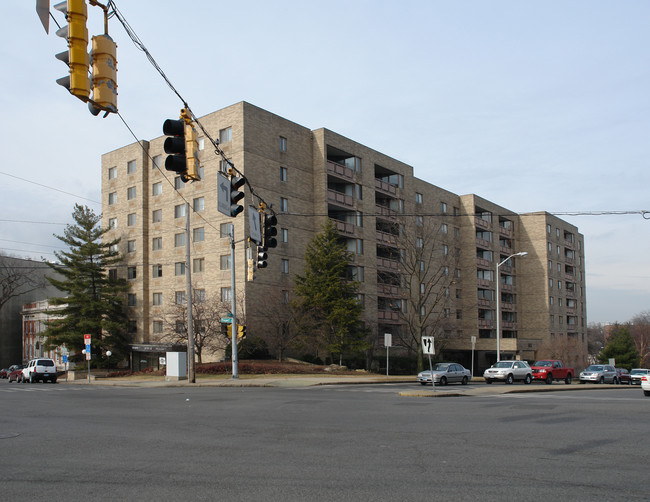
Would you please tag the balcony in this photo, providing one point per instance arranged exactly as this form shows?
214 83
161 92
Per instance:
389 290
485 283
483 243
485 323
483 262
482 302
340 170
388 316
386 238
480 222
385 187
340 198
505 232
343 228
387 264
386 213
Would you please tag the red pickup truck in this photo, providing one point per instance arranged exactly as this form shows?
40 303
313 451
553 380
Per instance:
552 369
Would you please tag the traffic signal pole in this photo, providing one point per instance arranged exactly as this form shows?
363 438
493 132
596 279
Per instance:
191 372
233 308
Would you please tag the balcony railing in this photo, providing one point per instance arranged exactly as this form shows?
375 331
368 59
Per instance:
480 222
343 227
387 188
387 315
340 198
506 232
483 262
339 170
386 238
388 290
386 212
386 263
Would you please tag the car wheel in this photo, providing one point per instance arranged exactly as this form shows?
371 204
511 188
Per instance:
443 381
615 381
487 380
510 379
646 392
528 379
549 379
567 380
602 379
465 380
423 383
582 382
31 378
53 380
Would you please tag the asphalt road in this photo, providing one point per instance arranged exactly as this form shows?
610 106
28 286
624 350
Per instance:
352 442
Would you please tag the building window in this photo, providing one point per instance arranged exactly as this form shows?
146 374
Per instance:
131 273
157 271
131 167
112 223
132 327
156 216
130 246
178 183
112 274
444 228
225 295
284 266
156 162
112 198
225 135
284 235
419 221
198 204
180 298
179 211
157 298
113 248
354 273
112 173
199 295
443 207
156 244
445 250
224 165
200 171
156 189
198 265
225 229
283 144
201 143
284 204
179 268
283 174
224 262
419 242
157 327
418 198
179 240
131 300
131 219
130 193
198 234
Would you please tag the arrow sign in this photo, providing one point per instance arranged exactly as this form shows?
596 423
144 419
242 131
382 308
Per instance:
427 346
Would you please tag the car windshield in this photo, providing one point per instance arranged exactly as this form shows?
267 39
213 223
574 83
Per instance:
503 364
441 367
543 363
594 367
639 372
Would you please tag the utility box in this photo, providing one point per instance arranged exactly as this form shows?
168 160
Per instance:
176 366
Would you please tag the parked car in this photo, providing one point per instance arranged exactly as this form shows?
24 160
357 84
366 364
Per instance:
645 384
509 371
444 373
599 373
39 369
636 374
4 372
16 372
623 376
548 370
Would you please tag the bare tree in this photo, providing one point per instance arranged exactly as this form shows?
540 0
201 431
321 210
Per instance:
280 323
640 330
595 340
426 265
18 278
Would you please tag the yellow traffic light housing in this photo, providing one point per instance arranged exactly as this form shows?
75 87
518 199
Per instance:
182 147
76 57
104 76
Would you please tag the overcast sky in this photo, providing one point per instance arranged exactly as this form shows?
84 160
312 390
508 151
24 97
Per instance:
534 105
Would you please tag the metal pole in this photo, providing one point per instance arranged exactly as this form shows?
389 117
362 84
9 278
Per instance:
498 315
387 350
433 384
233 308
191 374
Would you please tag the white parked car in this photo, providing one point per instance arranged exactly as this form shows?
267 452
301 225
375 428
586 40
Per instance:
444 373
39 369
508 372
645 385
636 374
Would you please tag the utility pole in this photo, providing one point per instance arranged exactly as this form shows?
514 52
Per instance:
191 373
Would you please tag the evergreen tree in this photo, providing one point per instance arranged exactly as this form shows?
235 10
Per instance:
621 347
328 297
95 299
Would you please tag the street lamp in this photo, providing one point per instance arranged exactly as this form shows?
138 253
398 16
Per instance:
108 354
498 279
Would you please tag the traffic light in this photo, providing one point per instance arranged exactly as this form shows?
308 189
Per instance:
76 57
241 332
104 77
270 221
262 256
182 147
236 182
226 329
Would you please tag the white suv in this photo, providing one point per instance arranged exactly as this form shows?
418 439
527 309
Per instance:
39 369
508 372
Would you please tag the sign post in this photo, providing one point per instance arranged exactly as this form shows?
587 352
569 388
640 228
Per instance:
473 338
88 353
388 342
429 349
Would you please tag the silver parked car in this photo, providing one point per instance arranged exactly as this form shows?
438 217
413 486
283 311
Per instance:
508 372
599 373
444 373
636 374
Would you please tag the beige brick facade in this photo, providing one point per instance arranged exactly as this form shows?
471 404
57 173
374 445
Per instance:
308 176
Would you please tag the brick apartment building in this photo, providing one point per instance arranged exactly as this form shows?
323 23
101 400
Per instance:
377 205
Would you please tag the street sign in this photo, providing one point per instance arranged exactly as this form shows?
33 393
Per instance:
86 339
473 339
254 225
64 358
388 340
226 319
427 346
223 194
